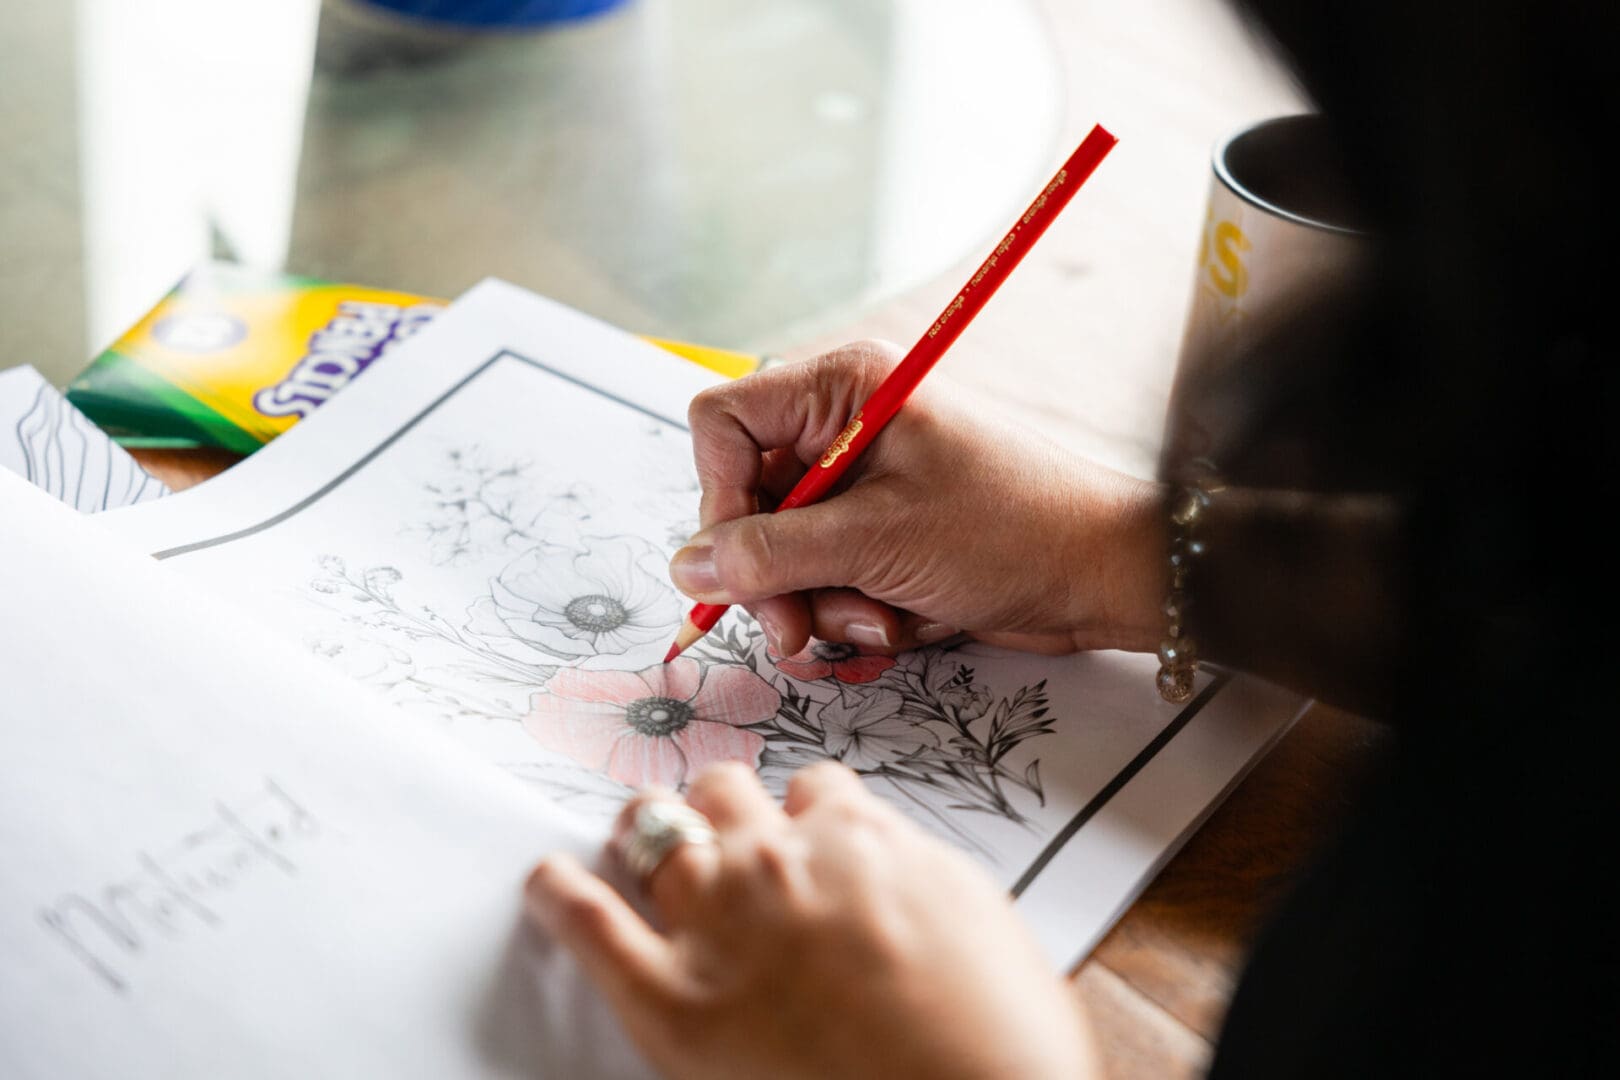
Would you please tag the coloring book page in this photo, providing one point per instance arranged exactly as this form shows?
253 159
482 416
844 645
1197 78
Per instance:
480 531
224 859
55 447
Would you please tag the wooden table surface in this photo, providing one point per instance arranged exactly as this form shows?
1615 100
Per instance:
1081 345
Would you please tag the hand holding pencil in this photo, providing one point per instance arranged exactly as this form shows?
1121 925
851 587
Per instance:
955 521
736 457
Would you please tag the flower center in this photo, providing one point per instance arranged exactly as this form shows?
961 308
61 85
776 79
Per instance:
658 715
834 651
595 614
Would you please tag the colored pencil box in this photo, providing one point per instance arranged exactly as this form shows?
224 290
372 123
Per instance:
232 357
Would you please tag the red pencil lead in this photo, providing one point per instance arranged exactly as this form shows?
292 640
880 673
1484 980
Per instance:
688 633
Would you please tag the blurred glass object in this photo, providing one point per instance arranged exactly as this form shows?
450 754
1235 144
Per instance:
496 14
189 123
740 174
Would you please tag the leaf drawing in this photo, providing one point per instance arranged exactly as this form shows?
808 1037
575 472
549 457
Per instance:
563 635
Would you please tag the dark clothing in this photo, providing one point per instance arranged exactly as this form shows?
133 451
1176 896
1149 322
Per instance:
1464 395
1459 929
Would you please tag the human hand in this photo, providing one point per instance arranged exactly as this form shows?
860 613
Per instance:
951 521
826 937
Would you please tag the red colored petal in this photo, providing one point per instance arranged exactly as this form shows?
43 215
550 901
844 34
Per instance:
638 760
705 744
861 669
805 670
735 695
618 687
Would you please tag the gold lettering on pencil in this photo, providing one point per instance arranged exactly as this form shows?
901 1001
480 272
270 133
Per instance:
988 265
956 305
840 445
1001 249
1040 201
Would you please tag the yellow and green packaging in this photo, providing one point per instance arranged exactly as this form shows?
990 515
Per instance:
233 357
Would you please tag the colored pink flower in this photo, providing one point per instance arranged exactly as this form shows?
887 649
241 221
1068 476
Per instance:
845 663
654 726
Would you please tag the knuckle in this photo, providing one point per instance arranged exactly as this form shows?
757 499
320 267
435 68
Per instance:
721 776
730 773
880 355
707 404
859 359
850 812
825 771
866 847
879 351
779 870
679 875
856 809
775 859
582 915
819 783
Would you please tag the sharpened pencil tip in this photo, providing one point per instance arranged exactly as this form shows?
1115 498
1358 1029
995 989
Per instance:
684 638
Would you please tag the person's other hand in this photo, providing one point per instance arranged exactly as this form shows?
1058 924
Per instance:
826 937
951 521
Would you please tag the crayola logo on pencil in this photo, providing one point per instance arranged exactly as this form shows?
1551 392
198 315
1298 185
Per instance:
840 445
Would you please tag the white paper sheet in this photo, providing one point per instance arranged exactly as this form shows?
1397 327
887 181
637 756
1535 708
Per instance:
480 528
223 859
55 447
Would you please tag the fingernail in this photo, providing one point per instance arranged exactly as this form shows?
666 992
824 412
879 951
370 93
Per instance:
929 632
869 634
692 570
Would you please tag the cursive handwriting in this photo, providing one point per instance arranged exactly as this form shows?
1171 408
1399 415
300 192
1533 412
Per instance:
174 891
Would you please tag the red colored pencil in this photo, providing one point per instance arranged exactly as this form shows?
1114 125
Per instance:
892 393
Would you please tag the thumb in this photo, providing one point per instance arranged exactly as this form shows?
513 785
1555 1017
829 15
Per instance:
752 558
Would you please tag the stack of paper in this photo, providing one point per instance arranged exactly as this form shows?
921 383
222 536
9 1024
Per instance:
477 532
224 859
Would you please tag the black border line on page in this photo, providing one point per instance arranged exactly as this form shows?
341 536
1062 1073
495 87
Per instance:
1114 786
332 485
1041 861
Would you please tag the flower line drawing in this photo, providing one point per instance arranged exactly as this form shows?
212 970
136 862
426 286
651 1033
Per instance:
373 589
570 627
593 607
922 725
483 503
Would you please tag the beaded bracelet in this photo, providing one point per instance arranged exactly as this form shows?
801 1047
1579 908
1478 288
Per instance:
1178 653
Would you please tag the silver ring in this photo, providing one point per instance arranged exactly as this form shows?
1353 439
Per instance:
659 828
